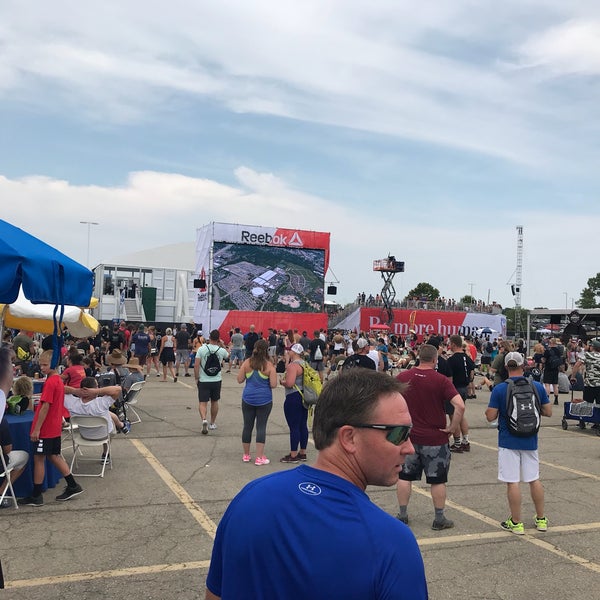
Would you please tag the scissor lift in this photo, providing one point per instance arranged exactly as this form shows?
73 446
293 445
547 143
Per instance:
388 267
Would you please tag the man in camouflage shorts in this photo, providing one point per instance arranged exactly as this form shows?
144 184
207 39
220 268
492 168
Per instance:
426 397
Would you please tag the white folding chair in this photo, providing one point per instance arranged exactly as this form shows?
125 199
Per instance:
5 475
131 399
91 431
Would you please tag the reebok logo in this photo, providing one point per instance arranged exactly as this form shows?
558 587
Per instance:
278 239
295 240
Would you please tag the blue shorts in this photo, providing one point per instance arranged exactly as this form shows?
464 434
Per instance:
236 353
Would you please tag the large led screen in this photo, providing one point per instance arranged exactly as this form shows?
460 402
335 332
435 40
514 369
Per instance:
271 278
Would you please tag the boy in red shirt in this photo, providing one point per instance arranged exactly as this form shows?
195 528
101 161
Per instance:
46 436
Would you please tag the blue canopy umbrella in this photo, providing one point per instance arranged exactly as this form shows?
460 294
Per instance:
46 275
486 331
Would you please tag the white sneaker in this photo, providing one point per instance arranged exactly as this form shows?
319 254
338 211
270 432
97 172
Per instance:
205 427
212 426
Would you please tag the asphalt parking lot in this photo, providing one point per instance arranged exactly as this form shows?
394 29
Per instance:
145 531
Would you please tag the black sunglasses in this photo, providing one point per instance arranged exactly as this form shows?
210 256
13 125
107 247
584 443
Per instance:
397 434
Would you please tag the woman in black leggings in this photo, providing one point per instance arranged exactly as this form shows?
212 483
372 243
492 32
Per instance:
257 399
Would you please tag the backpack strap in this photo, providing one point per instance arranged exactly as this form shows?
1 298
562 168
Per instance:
302 363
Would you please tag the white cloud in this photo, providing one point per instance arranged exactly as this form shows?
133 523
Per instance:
571 48
154 208
392 68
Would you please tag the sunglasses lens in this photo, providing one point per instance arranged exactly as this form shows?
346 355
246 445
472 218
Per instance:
398 435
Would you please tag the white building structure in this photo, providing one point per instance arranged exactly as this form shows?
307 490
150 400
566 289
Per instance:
154 285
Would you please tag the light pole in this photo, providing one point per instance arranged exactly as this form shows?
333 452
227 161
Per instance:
89 227
471 286
566 300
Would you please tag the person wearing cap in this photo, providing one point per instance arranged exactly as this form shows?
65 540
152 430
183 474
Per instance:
518 456
359 358
591 378
295 413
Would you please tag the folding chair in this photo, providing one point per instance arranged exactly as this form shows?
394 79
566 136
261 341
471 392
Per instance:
131 398
5 474
91 431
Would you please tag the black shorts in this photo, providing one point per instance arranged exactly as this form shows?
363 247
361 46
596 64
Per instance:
448 406
486 360
591 394
550 376
46 446
209 390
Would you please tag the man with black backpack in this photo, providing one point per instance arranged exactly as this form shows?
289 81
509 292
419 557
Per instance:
207 370
519 404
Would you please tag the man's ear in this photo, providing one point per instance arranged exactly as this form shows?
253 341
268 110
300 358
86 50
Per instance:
347 438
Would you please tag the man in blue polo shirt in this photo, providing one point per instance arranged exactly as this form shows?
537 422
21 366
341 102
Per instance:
312 532
518 456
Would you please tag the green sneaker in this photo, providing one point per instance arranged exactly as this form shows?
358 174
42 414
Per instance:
510 525
541 523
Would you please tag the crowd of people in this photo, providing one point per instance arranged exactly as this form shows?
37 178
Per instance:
426 303
391 411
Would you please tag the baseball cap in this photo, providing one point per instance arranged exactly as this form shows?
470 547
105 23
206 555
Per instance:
596 343
515 357
298 349
362 342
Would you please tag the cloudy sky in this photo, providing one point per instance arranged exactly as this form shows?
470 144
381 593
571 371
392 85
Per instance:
426 130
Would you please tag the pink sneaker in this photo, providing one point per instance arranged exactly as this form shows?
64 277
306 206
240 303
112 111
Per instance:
261 460
246 458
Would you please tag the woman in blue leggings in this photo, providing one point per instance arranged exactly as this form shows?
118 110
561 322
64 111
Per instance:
295 413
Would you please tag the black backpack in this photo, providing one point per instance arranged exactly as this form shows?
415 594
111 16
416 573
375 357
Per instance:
212 364
555 360
523 407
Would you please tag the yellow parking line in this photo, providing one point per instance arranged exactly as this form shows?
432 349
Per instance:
201 517
73 577
528 537
455 539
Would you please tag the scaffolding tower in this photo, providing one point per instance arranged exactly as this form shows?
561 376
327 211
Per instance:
388 267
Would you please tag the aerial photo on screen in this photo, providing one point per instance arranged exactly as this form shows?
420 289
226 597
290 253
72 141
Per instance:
269 278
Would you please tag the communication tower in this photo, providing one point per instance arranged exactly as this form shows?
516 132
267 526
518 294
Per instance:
388 267
516 288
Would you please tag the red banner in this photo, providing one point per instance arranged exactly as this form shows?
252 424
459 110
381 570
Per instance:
426 322
262 321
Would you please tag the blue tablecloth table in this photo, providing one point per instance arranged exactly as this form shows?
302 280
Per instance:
20 426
